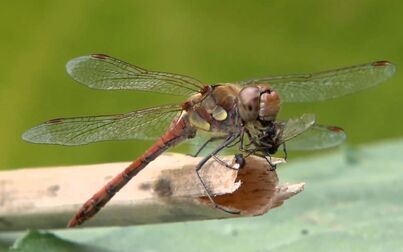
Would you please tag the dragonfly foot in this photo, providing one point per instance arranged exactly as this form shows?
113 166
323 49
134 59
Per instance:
272 167
238 163
240 160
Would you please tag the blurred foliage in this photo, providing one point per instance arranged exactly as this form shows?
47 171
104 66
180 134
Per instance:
215 41
34 241
351 200
346 206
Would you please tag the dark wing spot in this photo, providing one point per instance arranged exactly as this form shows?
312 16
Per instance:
100 56
55 121
336 129
381 63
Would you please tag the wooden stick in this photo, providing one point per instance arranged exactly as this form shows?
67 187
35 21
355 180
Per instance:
166 191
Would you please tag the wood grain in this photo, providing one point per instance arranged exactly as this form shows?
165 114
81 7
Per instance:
167 191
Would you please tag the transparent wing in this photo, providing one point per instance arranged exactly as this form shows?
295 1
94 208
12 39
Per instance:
329 84
294 127
100 71
146 124
317 137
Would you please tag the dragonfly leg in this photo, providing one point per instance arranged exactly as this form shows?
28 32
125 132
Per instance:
273 167
285 152
210 140
268 160
200 165
234 143
244 147
238 160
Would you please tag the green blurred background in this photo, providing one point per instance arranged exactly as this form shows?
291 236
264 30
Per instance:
215 41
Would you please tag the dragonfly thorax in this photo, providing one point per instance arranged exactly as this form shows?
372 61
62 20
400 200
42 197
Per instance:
258 103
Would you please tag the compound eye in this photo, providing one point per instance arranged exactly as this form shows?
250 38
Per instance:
249 103
249 97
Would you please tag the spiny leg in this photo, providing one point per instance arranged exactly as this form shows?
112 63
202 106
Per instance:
234 143
238 157
268 160
238 160
255 151
200 165
210 140
273 167
285 152
244 147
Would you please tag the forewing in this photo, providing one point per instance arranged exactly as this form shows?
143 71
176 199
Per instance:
100 71
146 124
329 84
317 137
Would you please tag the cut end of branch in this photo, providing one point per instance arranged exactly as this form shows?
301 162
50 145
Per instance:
259 190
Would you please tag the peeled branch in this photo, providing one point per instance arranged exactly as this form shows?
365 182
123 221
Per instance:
168 190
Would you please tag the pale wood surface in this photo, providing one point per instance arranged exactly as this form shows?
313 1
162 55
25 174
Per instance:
166 191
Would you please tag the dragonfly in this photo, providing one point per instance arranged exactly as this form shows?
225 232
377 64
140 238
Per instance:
241 114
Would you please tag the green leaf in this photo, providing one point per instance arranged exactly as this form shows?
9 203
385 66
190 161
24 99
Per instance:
34 241
352 202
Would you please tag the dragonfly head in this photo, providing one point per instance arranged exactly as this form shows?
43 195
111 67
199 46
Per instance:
258 102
